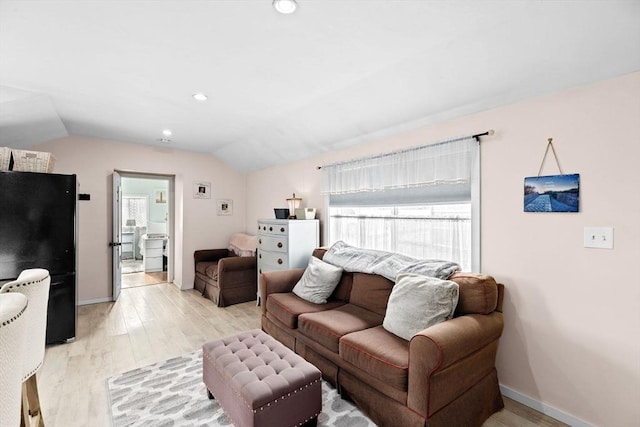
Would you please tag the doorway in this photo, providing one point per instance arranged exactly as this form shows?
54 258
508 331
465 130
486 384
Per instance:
145 229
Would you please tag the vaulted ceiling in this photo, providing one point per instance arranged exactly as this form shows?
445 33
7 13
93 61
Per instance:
284 87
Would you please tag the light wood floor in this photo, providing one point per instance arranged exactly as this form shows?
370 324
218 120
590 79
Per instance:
132 280
149 324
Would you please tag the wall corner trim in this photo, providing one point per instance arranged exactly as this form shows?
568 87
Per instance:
543 408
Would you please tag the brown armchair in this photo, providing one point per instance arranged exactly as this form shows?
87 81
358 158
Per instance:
224 277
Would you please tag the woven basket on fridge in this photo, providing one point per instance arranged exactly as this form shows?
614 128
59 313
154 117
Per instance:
33 161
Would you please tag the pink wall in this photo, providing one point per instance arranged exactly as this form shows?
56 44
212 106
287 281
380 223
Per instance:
571 344
196 224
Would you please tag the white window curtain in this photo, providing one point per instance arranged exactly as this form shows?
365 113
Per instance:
135 207
446 163
423 201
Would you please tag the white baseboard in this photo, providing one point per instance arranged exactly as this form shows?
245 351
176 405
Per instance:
543 408
94 301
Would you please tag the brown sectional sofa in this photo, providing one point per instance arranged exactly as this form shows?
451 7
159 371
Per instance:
444 376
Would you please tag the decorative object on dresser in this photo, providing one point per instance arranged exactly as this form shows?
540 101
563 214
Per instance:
227 276
294 203
285 244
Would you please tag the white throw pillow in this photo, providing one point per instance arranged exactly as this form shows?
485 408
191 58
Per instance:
318 281
418 302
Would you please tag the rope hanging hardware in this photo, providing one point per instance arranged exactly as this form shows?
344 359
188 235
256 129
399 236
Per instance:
553 150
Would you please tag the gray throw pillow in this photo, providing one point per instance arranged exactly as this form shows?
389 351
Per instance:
418 302
318 281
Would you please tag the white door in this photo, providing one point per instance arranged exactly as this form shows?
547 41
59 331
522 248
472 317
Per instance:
116 239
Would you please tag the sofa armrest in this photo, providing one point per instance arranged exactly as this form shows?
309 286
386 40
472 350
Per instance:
470 342
276 282
236 263
209 255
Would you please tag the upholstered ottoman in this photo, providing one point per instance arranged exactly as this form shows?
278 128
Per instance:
260 382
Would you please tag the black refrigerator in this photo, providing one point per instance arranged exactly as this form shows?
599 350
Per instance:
38 224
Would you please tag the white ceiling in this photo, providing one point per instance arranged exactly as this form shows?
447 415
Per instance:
285 87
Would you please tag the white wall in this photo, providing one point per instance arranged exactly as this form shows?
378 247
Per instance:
572 315
197 225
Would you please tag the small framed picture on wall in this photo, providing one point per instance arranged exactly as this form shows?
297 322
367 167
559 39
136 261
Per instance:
160 196
224 206
201 190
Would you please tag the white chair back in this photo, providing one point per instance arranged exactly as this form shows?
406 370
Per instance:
13 331
34 284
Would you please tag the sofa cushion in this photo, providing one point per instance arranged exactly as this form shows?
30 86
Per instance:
375 350
417 302
318 281
208 268
328 326
370 291
286 307
478 293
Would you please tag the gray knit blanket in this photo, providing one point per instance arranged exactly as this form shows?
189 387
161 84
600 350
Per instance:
387 264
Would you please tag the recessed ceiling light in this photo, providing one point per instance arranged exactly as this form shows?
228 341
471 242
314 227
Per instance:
167 132
199 96
285 6
165 140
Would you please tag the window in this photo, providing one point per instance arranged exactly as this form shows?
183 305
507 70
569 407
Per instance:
421 231
423 203
134 207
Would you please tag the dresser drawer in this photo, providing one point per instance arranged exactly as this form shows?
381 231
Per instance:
271 228
264 268
152 244
153 252
273 243
273 260
153 264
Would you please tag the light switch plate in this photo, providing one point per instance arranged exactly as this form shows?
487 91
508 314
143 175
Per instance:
598 237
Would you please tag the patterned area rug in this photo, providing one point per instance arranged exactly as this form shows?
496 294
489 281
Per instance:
171 393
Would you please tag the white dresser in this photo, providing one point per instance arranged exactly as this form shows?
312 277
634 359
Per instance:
286 243
153 251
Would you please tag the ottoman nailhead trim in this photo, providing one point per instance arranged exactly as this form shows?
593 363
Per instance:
289 394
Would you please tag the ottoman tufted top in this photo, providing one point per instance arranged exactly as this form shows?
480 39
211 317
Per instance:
259 368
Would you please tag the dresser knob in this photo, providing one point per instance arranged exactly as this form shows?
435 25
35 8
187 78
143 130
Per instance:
279 260
260 271
264 227
260 256
282 229
270 228
279 244
260 241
